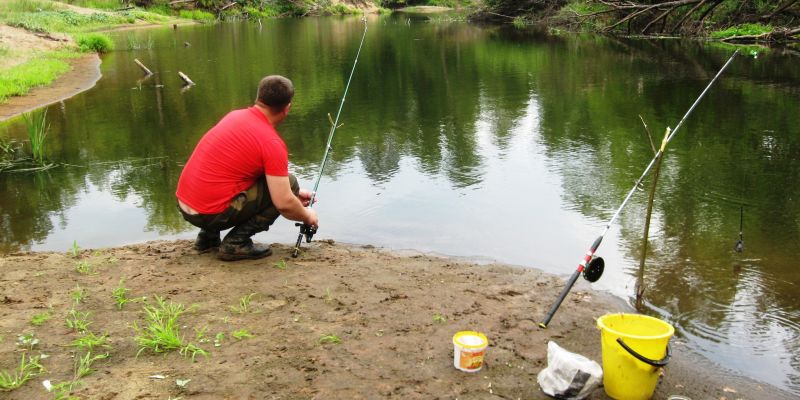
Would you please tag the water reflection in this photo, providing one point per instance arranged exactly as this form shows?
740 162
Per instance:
466 141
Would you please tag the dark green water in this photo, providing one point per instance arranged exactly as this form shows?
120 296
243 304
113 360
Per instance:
468 141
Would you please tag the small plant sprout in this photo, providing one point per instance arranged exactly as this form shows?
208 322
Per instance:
241 334
244 304
331 338
84 267
200 334
78 294
78 321
328 296
89 341
40 318
218 339
160 332
280 264
75 250
63 390
83 366
438 318
111 260
12 379
28 340
119 294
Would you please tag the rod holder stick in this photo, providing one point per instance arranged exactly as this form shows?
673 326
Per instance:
591 251
143 67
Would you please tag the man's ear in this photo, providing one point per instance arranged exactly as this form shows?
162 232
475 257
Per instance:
288 107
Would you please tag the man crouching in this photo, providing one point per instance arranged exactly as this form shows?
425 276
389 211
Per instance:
238 177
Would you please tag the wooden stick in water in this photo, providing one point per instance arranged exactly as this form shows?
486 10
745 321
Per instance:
185 78
142 66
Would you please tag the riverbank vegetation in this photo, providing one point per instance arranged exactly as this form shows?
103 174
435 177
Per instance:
53 33
725 20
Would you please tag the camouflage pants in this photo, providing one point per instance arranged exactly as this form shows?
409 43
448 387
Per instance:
252 206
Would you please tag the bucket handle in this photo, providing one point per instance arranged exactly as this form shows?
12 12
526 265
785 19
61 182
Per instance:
655 363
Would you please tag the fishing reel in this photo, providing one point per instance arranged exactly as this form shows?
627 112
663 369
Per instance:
594 269
307 230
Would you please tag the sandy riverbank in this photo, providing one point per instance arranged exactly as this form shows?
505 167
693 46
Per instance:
380 304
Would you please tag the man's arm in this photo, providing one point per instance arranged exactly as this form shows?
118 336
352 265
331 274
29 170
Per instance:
280 191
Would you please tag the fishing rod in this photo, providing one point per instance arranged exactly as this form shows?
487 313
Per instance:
307 230
591 266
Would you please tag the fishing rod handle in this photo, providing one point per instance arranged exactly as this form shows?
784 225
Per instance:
561 298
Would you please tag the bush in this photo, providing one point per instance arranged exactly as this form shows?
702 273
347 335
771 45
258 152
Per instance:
95 42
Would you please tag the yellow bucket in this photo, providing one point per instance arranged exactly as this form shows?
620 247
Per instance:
635 349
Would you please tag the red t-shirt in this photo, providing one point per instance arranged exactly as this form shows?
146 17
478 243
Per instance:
229 158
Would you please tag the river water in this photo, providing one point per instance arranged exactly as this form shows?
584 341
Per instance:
484 142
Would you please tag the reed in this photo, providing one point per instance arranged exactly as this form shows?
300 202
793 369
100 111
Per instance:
37 127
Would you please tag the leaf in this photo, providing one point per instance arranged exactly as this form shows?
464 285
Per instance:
182 382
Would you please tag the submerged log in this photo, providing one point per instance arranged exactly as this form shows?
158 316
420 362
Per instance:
142 66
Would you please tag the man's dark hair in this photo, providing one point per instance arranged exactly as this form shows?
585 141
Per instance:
275 92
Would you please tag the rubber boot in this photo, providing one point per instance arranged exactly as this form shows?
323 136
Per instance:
237 244
206 241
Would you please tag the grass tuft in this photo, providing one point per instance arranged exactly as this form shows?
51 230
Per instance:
244 304
40 318
10 380
161 332
94 43
37 128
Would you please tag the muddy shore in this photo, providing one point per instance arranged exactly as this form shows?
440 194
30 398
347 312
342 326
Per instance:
380 304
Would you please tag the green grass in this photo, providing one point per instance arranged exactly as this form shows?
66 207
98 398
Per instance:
197 15
78 294
89 341
78 321
37 128
161 332
331 338
94 43
12 379
740 30
84 267
244 304
40 318
99 4
119 294
66 21
20 79
29 6
241 334
83 366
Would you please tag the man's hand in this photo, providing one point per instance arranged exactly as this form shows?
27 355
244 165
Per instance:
305 197
311 218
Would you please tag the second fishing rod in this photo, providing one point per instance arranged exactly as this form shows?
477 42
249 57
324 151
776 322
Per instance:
591 266
307 230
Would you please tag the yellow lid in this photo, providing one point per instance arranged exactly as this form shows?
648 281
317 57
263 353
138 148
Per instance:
470 339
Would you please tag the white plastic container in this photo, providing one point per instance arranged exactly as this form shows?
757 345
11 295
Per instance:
469 348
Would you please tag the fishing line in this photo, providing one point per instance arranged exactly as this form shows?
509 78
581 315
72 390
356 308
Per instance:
591 266
307 230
